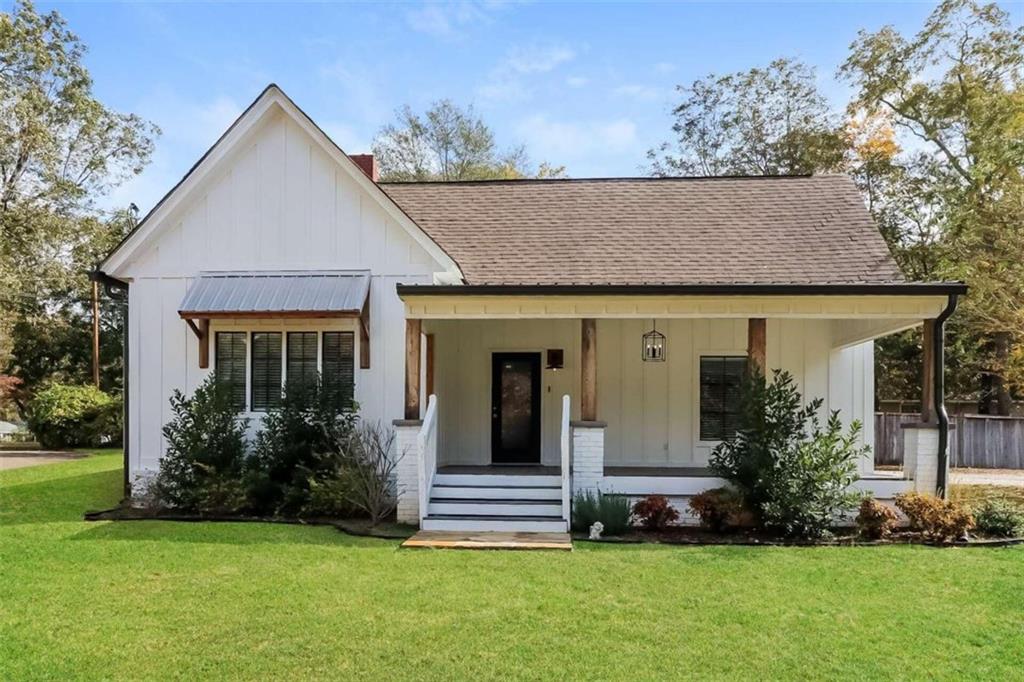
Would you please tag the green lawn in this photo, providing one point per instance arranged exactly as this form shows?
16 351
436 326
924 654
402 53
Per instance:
139 600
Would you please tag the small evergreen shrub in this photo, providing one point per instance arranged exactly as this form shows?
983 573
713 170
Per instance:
716 508
999 518
67 416
875 521
203 466
792 473
937 519
613 511
362 481
654 512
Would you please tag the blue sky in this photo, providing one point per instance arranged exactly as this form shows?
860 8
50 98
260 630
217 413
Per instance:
588 86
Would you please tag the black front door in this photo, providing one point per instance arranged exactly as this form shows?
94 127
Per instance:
515 408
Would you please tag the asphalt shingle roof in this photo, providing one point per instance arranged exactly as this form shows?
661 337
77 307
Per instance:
765 230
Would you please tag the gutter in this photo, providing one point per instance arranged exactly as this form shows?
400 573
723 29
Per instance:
939 383
899 289
118 290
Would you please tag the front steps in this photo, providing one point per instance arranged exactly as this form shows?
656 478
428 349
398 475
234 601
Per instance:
495 502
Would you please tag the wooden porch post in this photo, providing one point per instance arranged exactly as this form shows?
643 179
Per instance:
756 343
430 365
588 373
412 368
928 372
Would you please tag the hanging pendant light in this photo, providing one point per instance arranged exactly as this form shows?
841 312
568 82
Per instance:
654 345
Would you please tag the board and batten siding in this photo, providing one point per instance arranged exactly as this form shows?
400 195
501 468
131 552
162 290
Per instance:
279 202
651 407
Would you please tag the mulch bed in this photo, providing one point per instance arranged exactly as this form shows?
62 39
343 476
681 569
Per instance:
359 527
691 535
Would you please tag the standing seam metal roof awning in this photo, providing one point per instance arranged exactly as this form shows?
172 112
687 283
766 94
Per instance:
332 293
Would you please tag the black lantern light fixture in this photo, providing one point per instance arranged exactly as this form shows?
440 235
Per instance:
654 345
556 359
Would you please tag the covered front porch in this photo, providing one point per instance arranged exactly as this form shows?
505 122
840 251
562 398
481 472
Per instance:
569 391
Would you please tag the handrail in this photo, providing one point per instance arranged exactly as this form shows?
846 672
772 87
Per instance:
566 462
426 446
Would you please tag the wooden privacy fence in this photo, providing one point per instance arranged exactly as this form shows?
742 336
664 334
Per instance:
975 440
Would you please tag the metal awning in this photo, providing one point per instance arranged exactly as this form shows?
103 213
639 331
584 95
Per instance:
332 293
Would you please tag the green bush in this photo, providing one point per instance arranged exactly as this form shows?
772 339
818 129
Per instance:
1000 518
613 511
203 466
296 445
65 415
362 482
793 474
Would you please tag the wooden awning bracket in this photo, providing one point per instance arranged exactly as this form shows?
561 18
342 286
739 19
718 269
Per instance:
364 334
202 332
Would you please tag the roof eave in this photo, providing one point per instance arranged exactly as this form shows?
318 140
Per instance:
852 289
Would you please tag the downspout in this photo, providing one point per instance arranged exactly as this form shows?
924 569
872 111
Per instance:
939 382
118 290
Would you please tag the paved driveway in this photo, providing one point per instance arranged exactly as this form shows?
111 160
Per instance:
18 459
1010 477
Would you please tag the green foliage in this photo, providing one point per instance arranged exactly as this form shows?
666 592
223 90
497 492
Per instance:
999 517
361 480
937 519
793 474
717 508
448 143
297 444
63 416
654 512
875 521
202 468
613 511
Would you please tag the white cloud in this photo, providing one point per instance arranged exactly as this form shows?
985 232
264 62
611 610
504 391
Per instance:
449 20
638 91
359 91
565 141
509 80
576 81
537 58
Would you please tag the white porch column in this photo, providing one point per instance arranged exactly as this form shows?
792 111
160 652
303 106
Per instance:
407 471
587 455
921 456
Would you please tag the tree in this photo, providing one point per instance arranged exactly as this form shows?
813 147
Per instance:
765 121
449 143
60 150
955 90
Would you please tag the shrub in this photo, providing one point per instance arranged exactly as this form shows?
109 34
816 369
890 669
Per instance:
655 513
297 444
202 468
937 519
875 520
792 474
999 517
64 415
613 511
362 480
716 508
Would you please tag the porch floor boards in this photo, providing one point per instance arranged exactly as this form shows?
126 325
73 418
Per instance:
446 539
500 470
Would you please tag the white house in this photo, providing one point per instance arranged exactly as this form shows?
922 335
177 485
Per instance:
526 337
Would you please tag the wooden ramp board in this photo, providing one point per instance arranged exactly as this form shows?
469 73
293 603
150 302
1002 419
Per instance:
448 539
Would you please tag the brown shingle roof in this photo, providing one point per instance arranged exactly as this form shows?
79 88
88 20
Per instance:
658 231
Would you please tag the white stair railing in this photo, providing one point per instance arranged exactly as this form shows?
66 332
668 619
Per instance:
566 463
426 445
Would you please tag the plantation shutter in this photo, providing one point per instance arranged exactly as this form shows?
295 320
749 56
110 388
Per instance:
721 381
229 368
339 366
266 370
301 374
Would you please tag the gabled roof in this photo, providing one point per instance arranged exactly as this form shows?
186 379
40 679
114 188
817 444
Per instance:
272 96
630 231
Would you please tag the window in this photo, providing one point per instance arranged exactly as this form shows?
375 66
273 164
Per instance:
720 379
266 370
339 366
230 365
302 365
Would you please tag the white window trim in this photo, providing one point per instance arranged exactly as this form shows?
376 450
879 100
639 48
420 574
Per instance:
695 390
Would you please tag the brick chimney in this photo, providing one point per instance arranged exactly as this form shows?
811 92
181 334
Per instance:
368 164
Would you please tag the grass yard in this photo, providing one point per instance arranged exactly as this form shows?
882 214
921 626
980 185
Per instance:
154 599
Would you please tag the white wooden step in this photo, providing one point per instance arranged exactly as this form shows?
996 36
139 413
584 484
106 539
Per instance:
521 524
497 492
493 508
503 480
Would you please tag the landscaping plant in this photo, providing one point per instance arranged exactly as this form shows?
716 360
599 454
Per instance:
654 512
613 511
792 474
203 465
66 415
937 519
999 517
875 521
717 508
362 481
